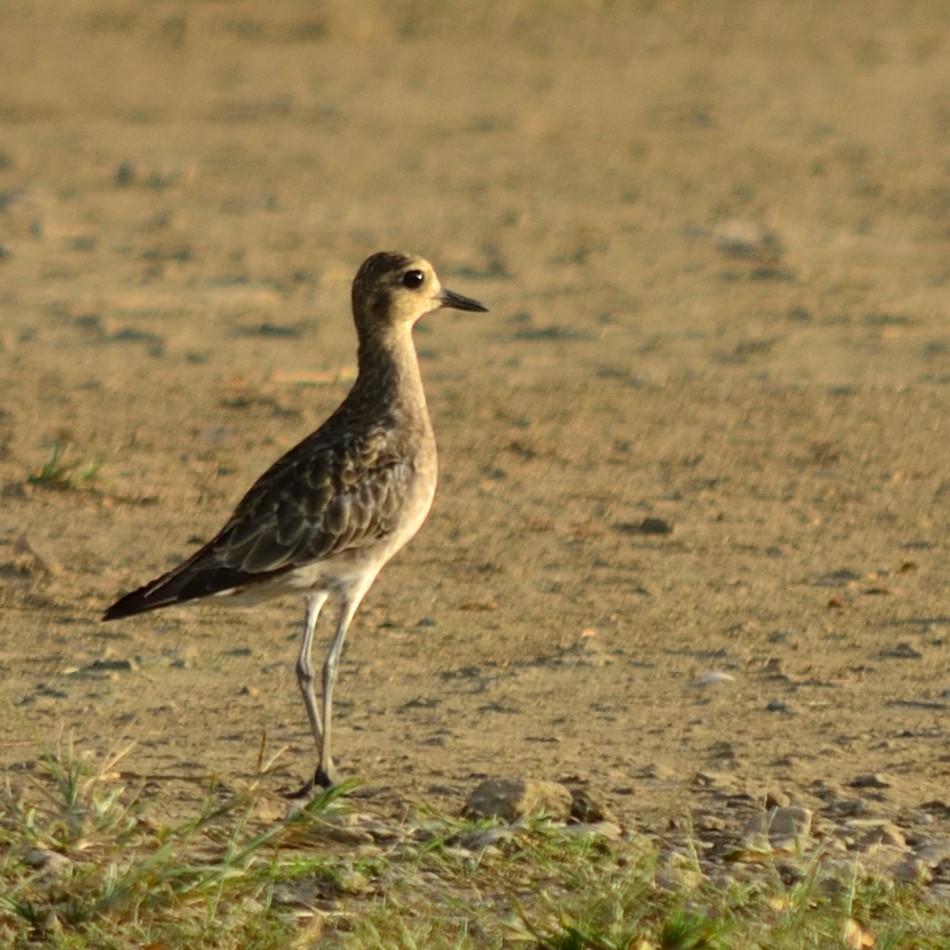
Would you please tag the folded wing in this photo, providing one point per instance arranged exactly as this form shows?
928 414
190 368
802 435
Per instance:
321 499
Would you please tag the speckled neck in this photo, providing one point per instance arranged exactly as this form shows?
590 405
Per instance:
389 377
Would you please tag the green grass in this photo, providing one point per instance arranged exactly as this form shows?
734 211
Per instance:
64 476
87 861
83 863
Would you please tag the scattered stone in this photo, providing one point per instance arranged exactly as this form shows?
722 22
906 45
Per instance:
779 829
586 808
126 665
478 841
660 771
125 175
655 526
776 799
868 831
871 780
842 807
902 651
510 799
836 578
827 790
239 651
379 830
755 834
421 702
723 750
711 823
646 526
713 678
933 853
880 860
50 862
791 821
834 846
609 830
742 238
911 870
918 704
678 872
791 870
716 780
50 692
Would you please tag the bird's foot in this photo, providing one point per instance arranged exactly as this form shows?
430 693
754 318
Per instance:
325 776
301 794
323 780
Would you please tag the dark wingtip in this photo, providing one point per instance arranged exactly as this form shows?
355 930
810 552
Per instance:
125 607
151 596
181 585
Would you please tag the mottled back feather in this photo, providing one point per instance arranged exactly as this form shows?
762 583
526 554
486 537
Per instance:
364 477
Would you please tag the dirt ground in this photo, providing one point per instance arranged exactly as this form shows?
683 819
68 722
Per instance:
715 241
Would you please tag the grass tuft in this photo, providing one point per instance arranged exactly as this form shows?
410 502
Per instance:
64 476
81 863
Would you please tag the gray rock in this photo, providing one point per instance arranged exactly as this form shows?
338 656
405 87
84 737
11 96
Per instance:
109 665
881 860
774 798
717 781
586 807
714 678
911 870
49 862
478 841
711 823
678 872
510 799
868 831
842 807
933 853
609 830
871 780
786 828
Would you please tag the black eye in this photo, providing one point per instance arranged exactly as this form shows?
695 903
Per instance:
413 279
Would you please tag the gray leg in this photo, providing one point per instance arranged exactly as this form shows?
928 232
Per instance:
304 667
351 601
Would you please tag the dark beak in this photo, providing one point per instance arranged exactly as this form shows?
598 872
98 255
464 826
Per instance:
449 298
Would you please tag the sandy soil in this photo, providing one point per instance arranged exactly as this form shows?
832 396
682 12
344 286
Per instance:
715 240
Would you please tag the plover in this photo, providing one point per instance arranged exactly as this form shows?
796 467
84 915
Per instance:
325 518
